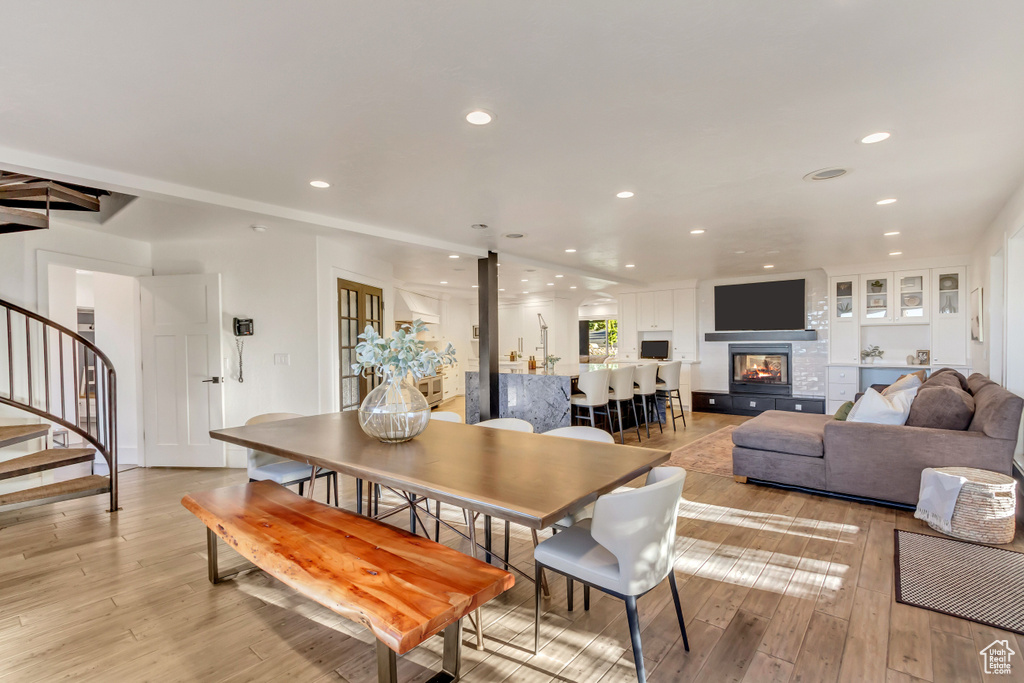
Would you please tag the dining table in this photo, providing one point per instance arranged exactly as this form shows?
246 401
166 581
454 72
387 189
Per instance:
530 479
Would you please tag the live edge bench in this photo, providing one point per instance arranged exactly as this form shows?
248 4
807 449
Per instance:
403 587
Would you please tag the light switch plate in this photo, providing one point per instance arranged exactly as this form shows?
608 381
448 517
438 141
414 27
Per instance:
282 359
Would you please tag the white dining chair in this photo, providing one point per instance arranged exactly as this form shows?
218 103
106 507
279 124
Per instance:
445 416
626 550
582 433
512 424
668 388
646 379
267 467
620 392
594 385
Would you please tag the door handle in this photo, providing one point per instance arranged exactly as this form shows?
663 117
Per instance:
213 380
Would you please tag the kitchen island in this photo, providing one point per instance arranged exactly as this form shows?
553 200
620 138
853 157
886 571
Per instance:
541 396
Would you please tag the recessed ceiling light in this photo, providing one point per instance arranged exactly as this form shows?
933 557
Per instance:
479 117
891 234
525 292
772 251
570 251
499 264
826 174
739 251
479 226
551 284
875 137
453 256
769 266
476 286
319 183
630 265
573 287
895 253
697 232
444 282
883 202
259 228
626 194
524 280
513 235
559 276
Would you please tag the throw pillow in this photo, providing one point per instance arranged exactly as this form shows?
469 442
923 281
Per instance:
902 384
883 410
942 379
941 407
950 371
844 410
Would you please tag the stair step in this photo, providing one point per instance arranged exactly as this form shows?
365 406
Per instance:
18 433
61 490
49 459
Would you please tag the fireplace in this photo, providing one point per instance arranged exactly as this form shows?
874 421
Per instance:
760 369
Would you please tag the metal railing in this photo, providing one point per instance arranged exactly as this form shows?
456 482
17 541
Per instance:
61 376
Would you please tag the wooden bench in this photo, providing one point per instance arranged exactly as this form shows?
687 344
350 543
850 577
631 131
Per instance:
403 587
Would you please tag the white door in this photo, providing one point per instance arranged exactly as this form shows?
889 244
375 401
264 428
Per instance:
181 370
684 325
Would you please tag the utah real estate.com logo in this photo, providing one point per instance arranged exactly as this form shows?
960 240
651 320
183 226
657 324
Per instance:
997 658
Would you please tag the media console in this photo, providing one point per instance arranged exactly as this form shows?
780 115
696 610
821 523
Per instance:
754 404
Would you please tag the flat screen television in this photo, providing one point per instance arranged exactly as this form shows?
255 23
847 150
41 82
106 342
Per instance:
777 305
654 349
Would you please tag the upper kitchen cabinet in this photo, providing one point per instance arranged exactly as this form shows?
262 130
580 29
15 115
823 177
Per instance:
844 313
949 316
684 324
628 339
898 298
654 311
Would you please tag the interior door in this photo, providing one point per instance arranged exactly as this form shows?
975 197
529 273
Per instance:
181 370
359 305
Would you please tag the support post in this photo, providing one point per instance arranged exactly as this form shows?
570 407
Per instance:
487 279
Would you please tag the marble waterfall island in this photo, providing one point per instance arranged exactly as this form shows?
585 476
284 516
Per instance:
541 397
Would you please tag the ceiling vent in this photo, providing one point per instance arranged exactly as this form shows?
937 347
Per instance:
826 174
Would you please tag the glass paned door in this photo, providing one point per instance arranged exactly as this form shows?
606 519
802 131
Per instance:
359 305
842 307
912 288
877 298
949 294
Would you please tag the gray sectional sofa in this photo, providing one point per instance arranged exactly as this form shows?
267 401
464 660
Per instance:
880 462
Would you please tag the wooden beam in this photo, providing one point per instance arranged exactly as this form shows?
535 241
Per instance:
18 220
487 279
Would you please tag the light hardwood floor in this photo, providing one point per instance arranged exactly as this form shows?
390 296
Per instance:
775 586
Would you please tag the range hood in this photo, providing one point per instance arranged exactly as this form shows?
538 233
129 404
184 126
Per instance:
410 306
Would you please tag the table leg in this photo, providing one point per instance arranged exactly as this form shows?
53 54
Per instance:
543 576
312 481
359 496
471 518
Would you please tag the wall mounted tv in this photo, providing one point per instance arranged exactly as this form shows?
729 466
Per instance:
777 305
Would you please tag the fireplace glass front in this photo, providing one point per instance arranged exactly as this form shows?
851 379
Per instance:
752 368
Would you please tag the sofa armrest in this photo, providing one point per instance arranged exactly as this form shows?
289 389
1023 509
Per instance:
885 461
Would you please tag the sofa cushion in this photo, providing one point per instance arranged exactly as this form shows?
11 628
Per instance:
874 408
784 432
944 375
905 382
844 410
945 379
941 407
996 412
976 382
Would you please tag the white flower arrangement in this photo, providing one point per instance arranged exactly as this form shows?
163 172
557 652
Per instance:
400 355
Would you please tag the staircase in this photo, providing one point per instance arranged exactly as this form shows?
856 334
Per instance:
42 373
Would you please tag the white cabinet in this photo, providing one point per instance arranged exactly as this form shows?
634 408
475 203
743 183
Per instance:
843 384
684 325
949 316
654 311
628 338
895 298
844 313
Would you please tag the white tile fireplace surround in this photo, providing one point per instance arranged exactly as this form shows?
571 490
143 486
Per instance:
810 358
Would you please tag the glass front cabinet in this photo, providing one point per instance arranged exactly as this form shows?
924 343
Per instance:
844 313
949 316
895 298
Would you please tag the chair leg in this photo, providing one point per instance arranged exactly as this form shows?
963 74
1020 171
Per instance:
636 419
538 576
568 592
508 528
334 475
487 538
647 415
592 422
634 637
586 597
437 522
302 487
622 429
679 609
359 496
672 409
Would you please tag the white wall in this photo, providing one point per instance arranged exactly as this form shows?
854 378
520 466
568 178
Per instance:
810 358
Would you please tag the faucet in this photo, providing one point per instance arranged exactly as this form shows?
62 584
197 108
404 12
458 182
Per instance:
543 339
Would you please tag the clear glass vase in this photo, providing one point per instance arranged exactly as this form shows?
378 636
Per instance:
394 411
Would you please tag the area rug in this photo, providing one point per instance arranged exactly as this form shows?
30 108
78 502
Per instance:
975 582
711 454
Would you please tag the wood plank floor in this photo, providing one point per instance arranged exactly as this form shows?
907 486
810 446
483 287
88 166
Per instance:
775 586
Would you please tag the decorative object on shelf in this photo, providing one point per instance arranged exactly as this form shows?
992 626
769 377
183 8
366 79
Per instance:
911 300
871 354
949 305
949 282
844 307
876 286
912 284
876 302
911 359
844 289
395 410
924 357
977 322
551 360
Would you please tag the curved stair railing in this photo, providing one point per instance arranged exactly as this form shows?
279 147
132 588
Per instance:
43 376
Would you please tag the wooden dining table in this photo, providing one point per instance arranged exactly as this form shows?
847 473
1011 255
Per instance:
530 479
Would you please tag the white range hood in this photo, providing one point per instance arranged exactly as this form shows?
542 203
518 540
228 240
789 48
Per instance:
410 306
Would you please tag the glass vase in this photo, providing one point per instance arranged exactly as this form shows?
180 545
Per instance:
394 411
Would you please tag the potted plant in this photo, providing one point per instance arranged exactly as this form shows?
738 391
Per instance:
871 354
395 410
876 286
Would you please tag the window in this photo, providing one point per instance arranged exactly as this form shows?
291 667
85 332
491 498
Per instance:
603 337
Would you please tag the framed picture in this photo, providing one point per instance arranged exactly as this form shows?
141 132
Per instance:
844 289
876 302
977 322
924 357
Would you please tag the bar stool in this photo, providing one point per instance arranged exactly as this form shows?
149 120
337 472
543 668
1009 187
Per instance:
646 378
668 387
621 391
594 385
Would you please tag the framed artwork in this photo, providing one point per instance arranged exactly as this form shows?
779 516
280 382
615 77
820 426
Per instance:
977 322
924 357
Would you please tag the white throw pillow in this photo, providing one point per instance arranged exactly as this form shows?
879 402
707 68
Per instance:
883 410
906 382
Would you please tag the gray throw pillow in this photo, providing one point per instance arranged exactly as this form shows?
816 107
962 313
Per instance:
943 379
961 380
941 407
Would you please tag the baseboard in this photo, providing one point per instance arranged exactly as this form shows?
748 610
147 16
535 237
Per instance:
830 494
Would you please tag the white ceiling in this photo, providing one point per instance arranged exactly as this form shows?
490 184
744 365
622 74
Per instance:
710 110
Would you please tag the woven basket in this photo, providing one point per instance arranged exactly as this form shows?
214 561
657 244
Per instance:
984 511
